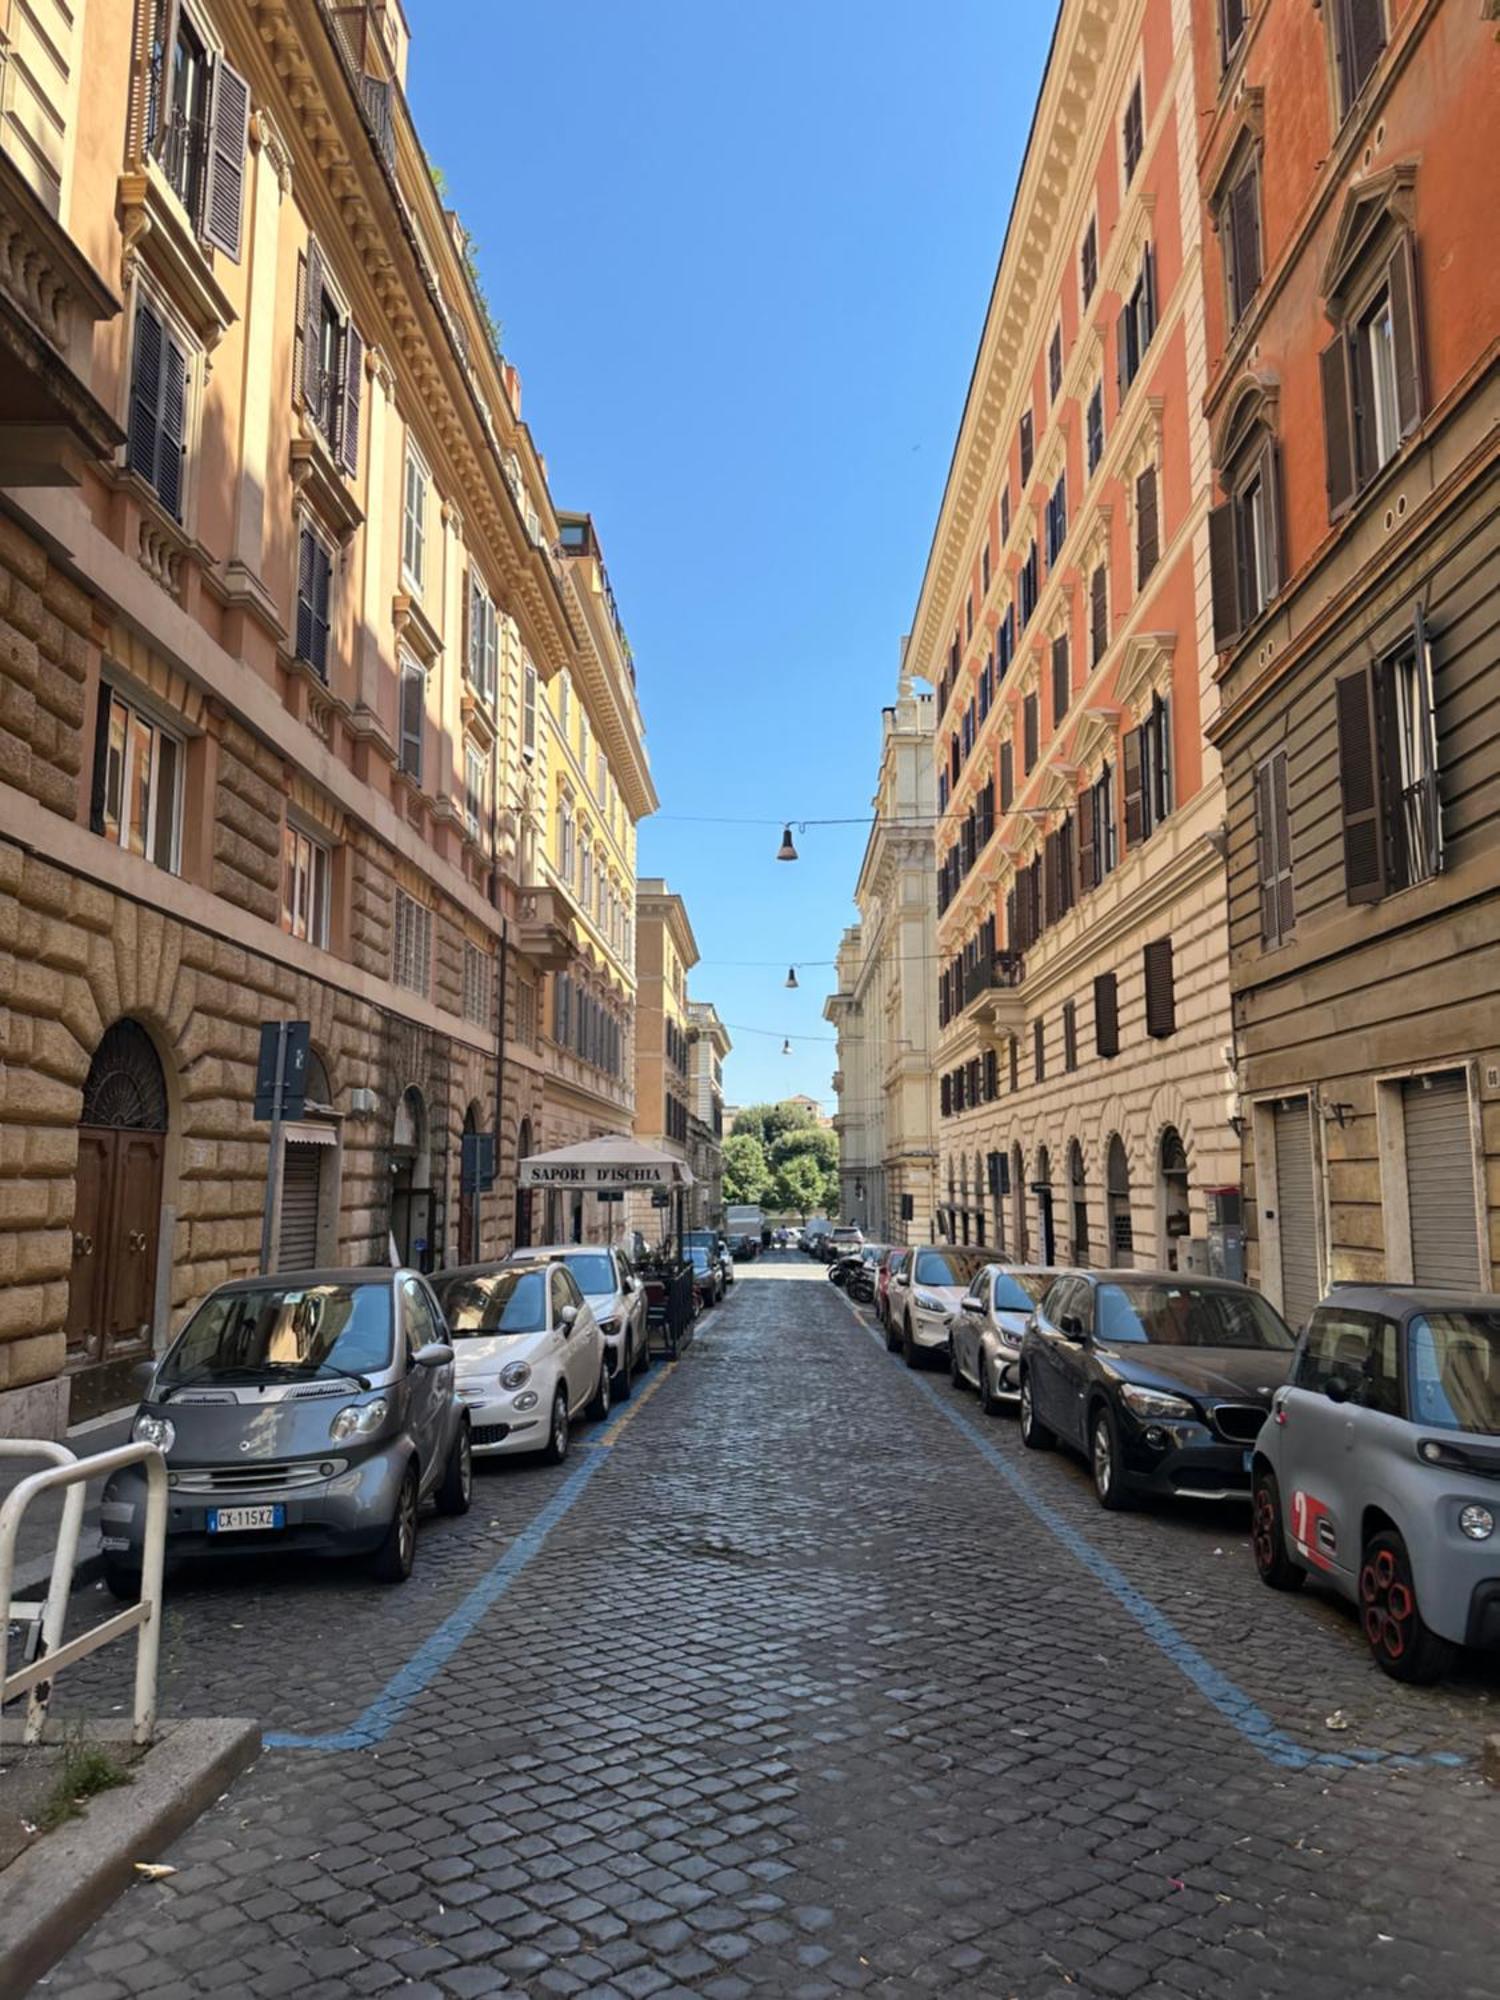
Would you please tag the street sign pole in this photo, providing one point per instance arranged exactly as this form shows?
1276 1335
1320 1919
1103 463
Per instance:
273 1165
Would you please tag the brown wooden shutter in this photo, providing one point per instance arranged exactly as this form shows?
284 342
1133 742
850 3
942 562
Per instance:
1007 776
1106 1015
1146 536
1148 297
99 792
1281 820
1070 1034
1087 853
1360 788
172 445
1135 825
1051 892
1122 353
1224 572
350 388
1099 614
1030 729
1265 853
1161 1003
1365 21
145 394
1270 487
1061 692
306 548
1012 920
228 142
1039 1049
312 322
1027 447
1338 424
1403 294
1244 229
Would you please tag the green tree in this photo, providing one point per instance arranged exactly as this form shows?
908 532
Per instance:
768 1122
814 1140
798 1185
747 1177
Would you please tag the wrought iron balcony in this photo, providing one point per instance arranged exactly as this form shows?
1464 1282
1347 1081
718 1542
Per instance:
992 993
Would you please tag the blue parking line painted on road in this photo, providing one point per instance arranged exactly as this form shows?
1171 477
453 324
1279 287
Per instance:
1226 1695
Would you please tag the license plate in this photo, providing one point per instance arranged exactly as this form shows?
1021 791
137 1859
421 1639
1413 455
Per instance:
226 1520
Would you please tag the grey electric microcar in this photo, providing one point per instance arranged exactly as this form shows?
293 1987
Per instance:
1379 1469
311 1412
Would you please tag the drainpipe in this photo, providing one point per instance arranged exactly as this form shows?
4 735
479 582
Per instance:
502 980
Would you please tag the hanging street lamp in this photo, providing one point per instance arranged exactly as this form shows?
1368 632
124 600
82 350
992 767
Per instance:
786 852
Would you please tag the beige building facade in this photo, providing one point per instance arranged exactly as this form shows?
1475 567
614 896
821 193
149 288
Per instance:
666 952
708 1045
275 547
883 1009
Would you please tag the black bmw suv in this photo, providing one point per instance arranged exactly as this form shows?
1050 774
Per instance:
1162 1381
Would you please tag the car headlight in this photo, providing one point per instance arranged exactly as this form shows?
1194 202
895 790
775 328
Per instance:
1477 1522
928 1304
1154 1402
159 1431
358 1419
609 1328
515 1375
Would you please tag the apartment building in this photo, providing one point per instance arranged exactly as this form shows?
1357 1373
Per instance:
1064 620
708 1045
583 785
274 543
883 1009
665 953
1350 186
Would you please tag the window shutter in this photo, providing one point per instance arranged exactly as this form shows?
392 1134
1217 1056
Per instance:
351 387
1070 1034
1060 689
1281 820
173 428
99 789
1161 1005
1051 898
306 550
1039 1049
1244 232
1403 295
1365 20
1146 538
1224 571
1270 487
1135 825
413 690
145 393
312 320
1030 729
1265 852
224 183
1099 613
1338 424
1359 788
1012 936
1430 798
1106 1015
1122 353
322 578
1087 853
1148 296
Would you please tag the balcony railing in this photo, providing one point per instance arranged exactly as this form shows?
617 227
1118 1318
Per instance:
1001 974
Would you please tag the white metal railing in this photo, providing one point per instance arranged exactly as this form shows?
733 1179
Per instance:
48 1651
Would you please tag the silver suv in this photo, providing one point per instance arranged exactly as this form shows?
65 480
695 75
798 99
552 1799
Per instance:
1379 1470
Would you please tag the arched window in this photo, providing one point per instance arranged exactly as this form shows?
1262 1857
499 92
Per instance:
1078 1249
1046 1234
1173 1197
125 1090
1121 1245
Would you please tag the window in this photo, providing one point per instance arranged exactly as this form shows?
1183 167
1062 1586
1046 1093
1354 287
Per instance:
526 1013
1094 426
1015 1062
1357 1349
477 964
1273 849
314 587
475 774
482 662
1055 363
1057 519
413 712
565 841
1136 324
306 878
1106 1015
1238 218
565 706
969 617
1061 690
1133 131
197 127
1388 771
528 706
1027 445
137 794
1147 527
1005 516
328 366
1096 830
1245 542
157 441
1358 30
1029 730
412 961
1088 261
1161 1000
414 519
1029 583
1232 15
1372 381
1007 775
1098 614
1039 1050
984 566
586 884
1148 773
1070 1034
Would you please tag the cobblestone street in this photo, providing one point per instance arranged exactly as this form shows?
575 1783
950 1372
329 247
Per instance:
806 1680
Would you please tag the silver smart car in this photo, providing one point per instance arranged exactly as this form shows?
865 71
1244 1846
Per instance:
311 1413
1379 1469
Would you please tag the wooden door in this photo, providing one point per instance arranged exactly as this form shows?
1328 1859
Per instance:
95 1190
130 1262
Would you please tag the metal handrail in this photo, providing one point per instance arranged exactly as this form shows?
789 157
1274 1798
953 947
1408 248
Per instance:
49 1619
144 1616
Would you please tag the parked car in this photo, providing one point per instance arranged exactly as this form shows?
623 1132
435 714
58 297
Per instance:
891 1263
984 1335
1378 1470
1162 1381
860 1283
616 1298
925 1293
531 1359
708 1279
311 1413
743 1249
726 1264
848 1236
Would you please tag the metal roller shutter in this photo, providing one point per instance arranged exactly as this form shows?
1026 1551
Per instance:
301 1174
1440 1180
1295 1211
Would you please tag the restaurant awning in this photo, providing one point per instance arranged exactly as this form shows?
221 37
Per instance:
615 1162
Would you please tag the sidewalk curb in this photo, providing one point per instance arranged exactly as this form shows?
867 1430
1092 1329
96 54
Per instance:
34 1579
56 1889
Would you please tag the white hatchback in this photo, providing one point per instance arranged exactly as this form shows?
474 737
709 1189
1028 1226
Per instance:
530 1356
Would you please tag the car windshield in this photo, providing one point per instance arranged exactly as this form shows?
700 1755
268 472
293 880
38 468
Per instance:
1186 1316
594 1274
283 1330
699 1256
1454 1358
509 1301
1019 1291
946 1267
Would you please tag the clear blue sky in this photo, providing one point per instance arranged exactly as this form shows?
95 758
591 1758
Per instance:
741 254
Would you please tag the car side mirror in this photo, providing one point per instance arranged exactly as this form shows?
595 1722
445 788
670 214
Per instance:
141 1377
436 1354
970 1306
1336 1389
1072 1326
568 1318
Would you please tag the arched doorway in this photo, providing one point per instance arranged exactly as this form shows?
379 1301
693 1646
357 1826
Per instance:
309 1175
997 1191
1018 1202
1120 1246
963 1195
122 1136
1078 1249
1172 1197
468 1198
411 1182
523 1194
979 1193
951 1232
1046 1233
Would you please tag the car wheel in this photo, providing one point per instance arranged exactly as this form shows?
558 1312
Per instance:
891 1342
600 1406
622 1375
1268 1535
987 1399
122 1581
556 1448
1105 1460
1034 1433
909 1353
955 1373
1404 1647
394 1557
457 1489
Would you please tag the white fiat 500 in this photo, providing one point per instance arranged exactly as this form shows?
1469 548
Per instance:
530 1357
